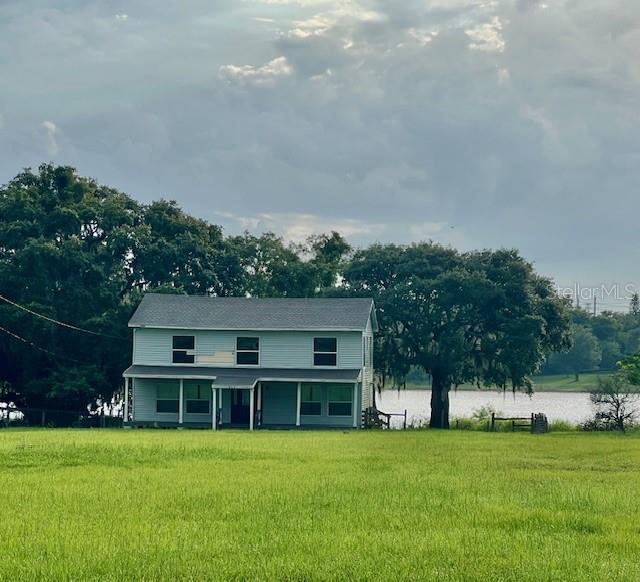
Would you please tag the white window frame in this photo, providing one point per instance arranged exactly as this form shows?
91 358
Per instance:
191 352
314 352
237 351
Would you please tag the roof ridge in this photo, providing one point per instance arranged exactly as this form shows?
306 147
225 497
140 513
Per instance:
161 310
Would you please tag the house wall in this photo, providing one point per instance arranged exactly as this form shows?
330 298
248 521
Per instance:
278 349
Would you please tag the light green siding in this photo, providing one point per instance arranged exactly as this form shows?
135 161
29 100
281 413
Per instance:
278 349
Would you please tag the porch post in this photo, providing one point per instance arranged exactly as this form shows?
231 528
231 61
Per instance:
214 407
355 402
251 408
125 417
180 403
298 403
259 403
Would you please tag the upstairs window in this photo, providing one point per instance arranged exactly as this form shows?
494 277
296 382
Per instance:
311 400
182 345
340 400
197 399
247 351
325 351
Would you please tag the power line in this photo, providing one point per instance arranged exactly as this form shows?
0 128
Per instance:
61 323
39 348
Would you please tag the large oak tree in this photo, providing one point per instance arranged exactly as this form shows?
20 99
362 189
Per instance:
481 317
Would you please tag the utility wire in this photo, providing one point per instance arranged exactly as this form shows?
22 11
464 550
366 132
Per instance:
56 322
39 348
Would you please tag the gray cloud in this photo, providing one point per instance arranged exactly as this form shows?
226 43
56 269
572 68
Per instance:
475 122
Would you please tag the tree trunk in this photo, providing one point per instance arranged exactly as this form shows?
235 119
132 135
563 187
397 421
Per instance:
576 376
439 402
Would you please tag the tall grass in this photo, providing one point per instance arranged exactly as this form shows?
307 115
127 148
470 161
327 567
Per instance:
456 505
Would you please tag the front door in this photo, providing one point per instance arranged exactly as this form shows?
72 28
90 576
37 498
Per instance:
240 406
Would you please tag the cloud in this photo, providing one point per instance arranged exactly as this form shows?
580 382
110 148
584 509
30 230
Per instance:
514 121
294 227
50 143
262 75
487 36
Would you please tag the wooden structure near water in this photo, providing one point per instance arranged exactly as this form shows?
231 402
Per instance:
374 418
536 423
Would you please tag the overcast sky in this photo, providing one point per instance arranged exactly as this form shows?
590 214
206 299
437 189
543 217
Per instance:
474 123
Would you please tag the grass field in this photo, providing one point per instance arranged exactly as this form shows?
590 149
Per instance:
556 383
118 504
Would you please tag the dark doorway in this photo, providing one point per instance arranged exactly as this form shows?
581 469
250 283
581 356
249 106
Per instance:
240 406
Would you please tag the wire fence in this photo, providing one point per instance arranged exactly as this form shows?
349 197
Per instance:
51 418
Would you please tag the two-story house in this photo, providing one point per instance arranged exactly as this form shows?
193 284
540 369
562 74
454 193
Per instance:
244 362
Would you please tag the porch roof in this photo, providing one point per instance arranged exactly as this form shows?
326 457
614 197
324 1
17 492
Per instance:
241 377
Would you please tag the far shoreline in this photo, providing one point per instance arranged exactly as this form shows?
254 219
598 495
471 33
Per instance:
587 382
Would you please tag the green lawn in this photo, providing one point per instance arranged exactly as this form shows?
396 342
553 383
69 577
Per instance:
118 504
556 383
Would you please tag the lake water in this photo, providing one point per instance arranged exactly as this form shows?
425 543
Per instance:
571 406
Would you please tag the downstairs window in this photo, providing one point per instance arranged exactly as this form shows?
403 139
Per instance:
340 399
197 399
311 400
168 399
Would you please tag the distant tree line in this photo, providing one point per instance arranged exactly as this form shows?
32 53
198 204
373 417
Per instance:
599 342
76 257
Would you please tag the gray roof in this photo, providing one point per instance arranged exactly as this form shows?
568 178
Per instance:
241 377
199 312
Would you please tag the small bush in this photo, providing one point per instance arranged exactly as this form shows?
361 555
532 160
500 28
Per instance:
483 414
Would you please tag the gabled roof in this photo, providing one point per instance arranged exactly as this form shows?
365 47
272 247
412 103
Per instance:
198 312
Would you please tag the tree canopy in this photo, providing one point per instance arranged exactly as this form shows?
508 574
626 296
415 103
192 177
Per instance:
76 257
484 317
77 252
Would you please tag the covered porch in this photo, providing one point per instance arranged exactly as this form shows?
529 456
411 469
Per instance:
208 397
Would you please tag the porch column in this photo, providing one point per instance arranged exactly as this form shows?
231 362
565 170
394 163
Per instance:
355 408
298 403
125 417
214 407
181 403
251 408
259 403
